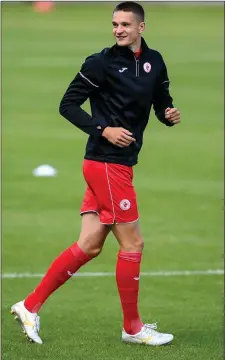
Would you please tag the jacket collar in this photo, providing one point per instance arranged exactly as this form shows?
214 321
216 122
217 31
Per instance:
125 50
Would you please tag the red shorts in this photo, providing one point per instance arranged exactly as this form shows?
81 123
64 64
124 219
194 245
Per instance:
110 192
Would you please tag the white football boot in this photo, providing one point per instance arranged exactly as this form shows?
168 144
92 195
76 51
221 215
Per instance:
30 322
147 336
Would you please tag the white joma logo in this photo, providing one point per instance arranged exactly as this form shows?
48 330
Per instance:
122 70
69 273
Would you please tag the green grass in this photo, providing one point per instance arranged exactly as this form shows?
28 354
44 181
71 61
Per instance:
82 324
179 181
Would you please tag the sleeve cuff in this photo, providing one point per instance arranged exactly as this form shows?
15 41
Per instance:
99 129
161 116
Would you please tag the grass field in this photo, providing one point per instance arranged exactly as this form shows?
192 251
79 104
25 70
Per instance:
179 180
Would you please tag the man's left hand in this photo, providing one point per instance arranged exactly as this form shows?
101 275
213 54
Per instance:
172 115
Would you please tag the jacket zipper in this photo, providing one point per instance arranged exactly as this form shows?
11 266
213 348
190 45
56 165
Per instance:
137 66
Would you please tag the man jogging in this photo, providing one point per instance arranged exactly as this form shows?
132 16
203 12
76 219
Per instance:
122 83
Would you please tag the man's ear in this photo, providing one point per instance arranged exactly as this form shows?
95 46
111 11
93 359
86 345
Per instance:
141 27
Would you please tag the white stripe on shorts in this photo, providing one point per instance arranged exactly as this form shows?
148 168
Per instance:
110 192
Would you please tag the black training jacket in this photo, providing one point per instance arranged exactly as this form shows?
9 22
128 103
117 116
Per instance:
122 91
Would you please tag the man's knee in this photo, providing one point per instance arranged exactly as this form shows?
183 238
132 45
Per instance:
135 244
129 237
91 247
139 242
93 235
92 253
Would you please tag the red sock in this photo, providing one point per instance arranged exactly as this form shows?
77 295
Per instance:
67 263
127 278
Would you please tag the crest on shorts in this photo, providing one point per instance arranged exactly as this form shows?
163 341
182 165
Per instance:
124 204
147 67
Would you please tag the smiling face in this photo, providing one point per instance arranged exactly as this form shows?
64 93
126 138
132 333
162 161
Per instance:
127 28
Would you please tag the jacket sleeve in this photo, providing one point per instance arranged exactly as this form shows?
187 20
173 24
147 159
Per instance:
86 82
162 98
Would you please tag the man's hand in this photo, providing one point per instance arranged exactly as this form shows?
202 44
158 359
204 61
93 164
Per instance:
172 115
118 136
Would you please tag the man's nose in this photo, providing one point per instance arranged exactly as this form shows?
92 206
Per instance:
120 29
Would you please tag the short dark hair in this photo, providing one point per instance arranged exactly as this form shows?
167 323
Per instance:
133 7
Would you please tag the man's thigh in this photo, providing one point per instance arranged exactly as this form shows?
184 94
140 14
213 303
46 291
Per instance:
93 233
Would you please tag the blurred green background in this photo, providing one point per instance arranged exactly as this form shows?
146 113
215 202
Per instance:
179 181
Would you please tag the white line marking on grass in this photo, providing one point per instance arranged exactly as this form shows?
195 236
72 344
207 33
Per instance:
103 274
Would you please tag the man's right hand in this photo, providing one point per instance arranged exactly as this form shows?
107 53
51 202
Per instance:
118 136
